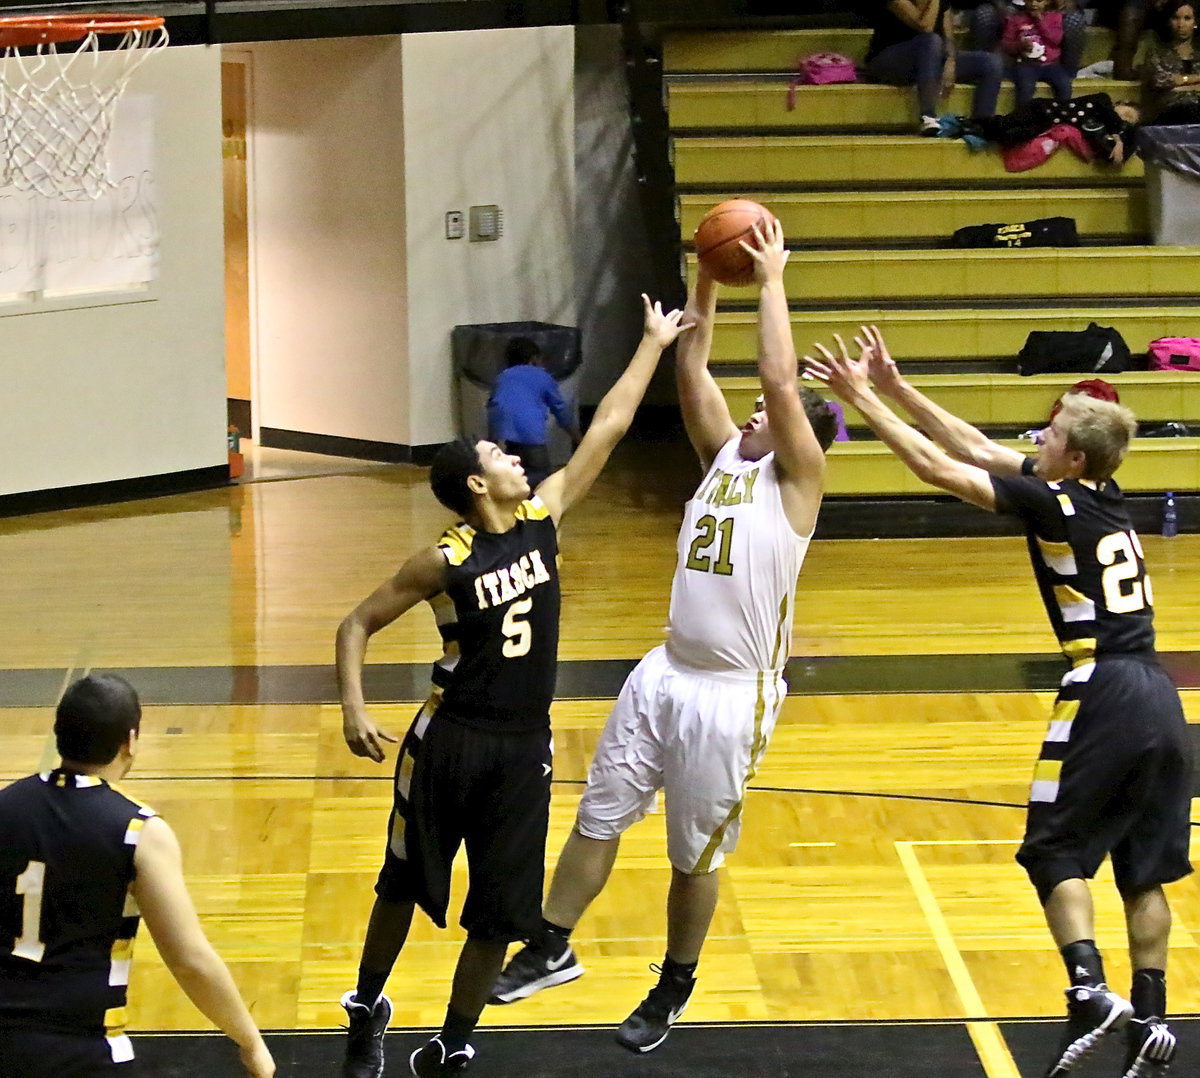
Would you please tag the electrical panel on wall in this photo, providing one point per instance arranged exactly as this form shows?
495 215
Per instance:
486 223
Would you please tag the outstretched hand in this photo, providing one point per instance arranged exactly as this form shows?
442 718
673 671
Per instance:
768 252
662 328
884 373
846 377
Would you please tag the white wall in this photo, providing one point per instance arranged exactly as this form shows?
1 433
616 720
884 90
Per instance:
108 389
326 150
358 147
489 118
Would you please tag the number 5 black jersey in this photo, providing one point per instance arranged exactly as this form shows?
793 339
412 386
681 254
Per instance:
1088 562
506 597
67 917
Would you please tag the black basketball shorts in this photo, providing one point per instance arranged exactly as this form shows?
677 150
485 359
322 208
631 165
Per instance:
490 791
1114 777
28 1054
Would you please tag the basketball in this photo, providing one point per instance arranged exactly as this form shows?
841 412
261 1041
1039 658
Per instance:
718 239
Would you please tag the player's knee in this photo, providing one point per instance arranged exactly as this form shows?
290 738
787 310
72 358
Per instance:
1046 873
395 883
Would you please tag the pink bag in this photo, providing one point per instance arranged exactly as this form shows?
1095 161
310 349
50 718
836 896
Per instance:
1174 354
820 69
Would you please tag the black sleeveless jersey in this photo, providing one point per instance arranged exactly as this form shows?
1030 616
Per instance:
505 591
67 917
1088 563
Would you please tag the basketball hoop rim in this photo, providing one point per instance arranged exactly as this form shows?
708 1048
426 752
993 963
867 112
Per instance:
17 31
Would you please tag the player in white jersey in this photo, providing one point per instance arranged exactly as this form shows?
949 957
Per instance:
694 717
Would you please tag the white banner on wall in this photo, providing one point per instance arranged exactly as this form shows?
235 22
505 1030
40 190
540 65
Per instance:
54 246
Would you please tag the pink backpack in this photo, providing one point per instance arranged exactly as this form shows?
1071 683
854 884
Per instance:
820 69
1174 354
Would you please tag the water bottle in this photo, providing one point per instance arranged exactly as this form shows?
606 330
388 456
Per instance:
1170 522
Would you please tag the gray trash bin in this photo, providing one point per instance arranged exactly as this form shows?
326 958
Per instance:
1172 155
479 357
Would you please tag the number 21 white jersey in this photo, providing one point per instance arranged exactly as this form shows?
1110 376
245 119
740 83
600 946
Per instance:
735 578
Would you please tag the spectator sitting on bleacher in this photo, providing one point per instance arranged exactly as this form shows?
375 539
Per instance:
1128 18
1033 38
1172 71
913 43
989 18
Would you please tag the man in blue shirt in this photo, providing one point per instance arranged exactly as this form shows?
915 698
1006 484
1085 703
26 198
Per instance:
519 407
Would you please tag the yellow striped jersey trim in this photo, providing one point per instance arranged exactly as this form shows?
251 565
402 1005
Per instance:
455 543
780 643
1061 719
120 963
115 1021
122 950
1068 596
1080 651
1047 770
1059 557
532 509
704 864
120 1048
1064 502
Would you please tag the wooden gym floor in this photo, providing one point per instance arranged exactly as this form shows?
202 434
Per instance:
875 882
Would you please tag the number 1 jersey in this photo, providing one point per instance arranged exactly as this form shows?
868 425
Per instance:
67 915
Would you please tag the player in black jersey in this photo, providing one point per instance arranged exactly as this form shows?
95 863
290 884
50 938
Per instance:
1114 774
475 766
80 864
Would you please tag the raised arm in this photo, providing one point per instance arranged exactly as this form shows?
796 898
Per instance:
164 902
799 458
849 379
419 578
616 411
705 414
957 437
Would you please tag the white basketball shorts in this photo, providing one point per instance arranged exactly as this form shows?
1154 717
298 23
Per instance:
698 735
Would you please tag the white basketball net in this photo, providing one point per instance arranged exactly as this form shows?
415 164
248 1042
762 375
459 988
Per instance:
57 103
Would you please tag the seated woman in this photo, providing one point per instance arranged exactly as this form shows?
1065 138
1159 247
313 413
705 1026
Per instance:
913 43
1172 70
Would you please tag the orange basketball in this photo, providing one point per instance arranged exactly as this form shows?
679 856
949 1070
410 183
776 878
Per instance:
718 235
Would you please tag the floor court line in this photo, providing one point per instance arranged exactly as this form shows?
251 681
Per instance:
989 1042
49 755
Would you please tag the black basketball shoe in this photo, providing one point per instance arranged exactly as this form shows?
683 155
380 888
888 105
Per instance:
432 1060
1092 1012
1151 1048
364 1040
532 969
647 1027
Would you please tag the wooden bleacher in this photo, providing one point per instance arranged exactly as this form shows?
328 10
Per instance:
867 206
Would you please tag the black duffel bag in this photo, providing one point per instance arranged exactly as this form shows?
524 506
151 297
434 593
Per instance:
1097 349
1045 232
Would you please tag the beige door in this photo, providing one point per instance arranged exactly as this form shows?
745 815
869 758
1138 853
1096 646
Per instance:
234 99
